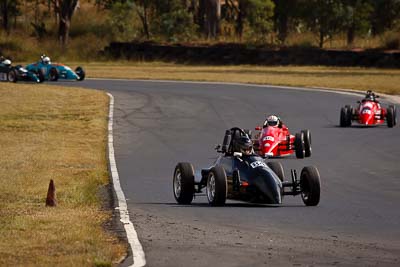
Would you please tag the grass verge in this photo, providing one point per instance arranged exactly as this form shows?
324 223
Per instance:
50 132
381 80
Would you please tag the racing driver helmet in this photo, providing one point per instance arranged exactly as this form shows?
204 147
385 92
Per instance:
244 145
46 60
7 62
272 120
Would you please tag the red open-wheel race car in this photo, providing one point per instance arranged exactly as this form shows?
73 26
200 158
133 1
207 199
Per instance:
274 140
368 112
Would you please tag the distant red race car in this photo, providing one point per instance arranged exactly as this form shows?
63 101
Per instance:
368 112
275 140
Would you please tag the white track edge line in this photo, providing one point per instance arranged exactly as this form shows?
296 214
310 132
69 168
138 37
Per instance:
139 259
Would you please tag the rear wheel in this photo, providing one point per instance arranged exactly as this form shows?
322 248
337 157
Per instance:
277 168
40 75
390 117
217 189
394 114
81 73
53 75
349 115
310 186
183 183
12 76
307 142
343 117
299 145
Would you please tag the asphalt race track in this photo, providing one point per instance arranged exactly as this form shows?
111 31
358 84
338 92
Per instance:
158 124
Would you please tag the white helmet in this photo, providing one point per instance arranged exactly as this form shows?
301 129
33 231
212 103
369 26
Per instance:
7 62
46 60
272 120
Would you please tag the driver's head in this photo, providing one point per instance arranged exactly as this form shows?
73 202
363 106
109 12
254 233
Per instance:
244 145
272 120
46 60
7 62
370 97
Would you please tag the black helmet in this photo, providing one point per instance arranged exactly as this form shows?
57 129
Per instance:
244 145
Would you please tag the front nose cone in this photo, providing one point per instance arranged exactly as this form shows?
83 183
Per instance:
270 187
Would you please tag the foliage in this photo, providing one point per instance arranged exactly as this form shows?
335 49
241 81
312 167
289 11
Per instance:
325 17
259 14
356 18
276 22
174 22
122 20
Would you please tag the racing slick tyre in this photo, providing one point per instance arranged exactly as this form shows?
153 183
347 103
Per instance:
183 183
343 116
299 145
40 75
54 75
81 73
394 114
12 76
390 117
217 187
277 168
310 186
307 142
349 115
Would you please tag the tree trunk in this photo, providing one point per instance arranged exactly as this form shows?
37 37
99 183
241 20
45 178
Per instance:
213 16
239 21
351 35
144 19
201 12
283 28
4 14
65 10
63 31
321 38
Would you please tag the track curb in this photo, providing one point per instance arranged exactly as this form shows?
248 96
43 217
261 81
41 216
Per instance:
139 259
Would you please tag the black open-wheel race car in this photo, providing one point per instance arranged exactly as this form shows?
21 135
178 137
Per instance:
18 73
243 176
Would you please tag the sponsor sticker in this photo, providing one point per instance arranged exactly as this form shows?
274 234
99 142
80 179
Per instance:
256 164
269 138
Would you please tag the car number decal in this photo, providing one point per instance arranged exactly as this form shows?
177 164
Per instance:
269 138
256 164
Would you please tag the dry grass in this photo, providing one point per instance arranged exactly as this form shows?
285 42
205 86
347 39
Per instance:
49 132
381 80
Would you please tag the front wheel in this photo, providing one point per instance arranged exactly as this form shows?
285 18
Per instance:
183 183
217 188
277 168
54 75
299 145
81 73
307 142
310 186
392 114
390 117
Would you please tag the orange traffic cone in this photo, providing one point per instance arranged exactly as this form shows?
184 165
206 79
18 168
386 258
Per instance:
51 200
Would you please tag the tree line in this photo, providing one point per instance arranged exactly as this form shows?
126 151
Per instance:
211 19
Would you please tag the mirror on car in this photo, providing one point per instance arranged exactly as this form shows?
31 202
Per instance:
258 128
237 154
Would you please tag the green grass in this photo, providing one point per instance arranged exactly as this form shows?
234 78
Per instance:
50 132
